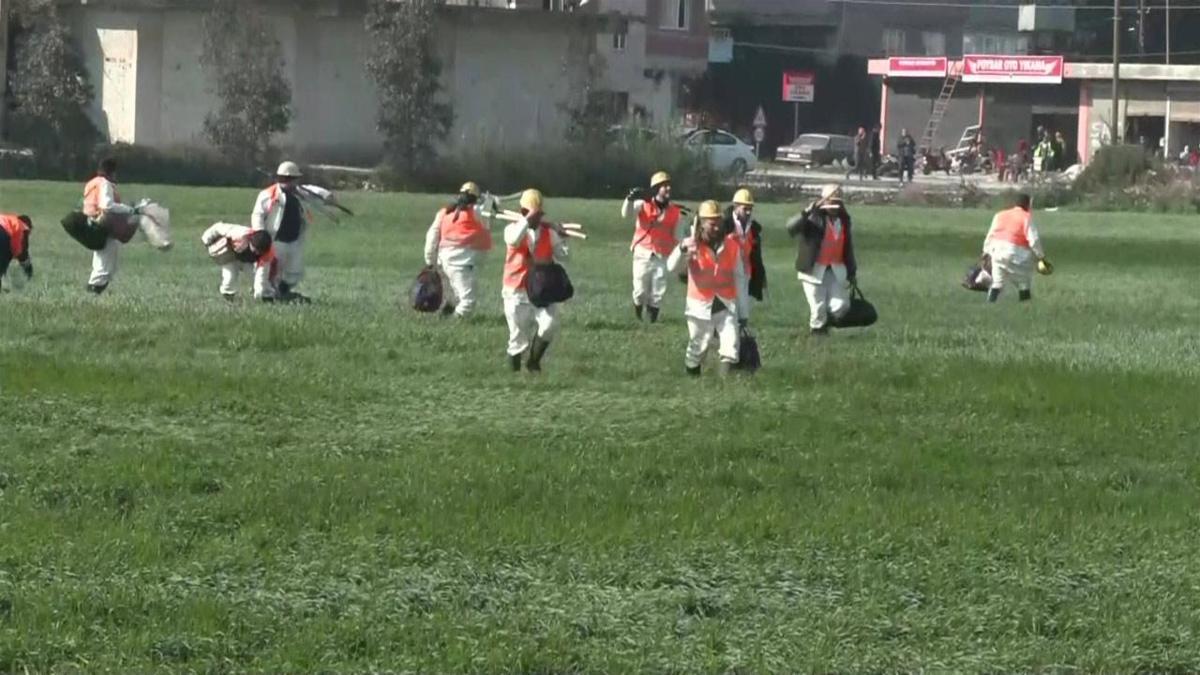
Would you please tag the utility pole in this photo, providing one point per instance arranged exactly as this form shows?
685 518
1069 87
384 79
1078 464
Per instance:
1167 127
1114 123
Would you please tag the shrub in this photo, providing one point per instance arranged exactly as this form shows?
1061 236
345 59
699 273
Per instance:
566 170
1118 167
183 165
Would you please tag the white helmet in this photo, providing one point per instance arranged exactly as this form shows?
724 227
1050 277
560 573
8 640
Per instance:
289 170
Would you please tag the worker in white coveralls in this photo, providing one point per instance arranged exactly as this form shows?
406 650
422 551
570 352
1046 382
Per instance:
456 242
102 205
825 263
1015 249
237 248
529 241
716 270
656 230
280 211
739 221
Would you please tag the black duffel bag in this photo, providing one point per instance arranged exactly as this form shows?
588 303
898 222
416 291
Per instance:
548 284
860 314
426 294
92 236
749 359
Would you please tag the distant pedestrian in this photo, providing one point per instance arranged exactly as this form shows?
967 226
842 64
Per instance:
657 226
876 151
862 154
457 241
906 150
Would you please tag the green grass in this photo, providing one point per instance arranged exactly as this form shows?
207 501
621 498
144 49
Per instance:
349 486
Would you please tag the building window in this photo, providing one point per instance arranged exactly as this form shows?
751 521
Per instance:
675 14
893 41
934 42
552 5
620 34
995 43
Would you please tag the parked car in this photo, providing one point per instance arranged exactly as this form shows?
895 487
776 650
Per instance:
818 150
727 153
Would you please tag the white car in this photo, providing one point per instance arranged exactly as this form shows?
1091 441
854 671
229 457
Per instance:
727 153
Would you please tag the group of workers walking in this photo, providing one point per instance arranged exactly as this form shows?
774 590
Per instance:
718 250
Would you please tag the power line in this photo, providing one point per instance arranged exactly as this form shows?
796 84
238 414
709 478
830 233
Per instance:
833 51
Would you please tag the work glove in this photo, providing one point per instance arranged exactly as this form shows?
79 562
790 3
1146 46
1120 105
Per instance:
634 193
27 267
743 323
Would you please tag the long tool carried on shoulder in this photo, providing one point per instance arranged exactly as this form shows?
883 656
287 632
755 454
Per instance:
573 230
321 205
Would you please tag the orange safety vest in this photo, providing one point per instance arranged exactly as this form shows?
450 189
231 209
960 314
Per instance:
16 233
711 274
519 258
833 246
91 196
745 240
1012 226
652 234
463 230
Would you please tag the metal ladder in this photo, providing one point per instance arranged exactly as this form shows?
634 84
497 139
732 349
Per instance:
939 108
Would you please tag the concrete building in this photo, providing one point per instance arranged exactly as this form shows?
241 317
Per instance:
143 58
1077 101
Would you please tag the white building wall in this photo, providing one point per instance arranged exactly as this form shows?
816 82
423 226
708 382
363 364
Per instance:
505 91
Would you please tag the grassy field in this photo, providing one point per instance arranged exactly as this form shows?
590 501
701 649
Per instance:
191 485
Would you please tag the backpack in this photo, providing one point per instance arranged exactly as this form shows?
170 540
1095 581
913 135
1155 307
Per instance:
548 284
426 294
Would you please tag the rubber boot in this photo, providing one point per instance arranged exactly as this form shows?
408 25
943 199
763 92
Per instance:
1024 296
97 288
514 362
537 349
725 369
653 311
637 309
285 291
993 294
819 332
692 371
447 309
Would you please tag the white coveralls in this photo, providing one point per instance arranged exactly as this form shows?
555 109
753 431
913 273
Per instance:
216 240
458 263
268 215
524 320
1012 263
649 267
104 261
702 321
826 288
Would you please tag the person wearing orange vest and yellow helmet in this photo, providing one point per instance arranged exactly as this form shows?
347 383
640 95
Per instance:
739 221
715 271
656 230
456 241
529 241
1016 250
14 243
101 202
280 211
825 264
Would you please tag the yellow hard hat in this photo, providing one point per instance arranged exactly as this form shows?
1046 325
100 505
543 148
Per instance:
659 178
289 170
743 197
470 188
531 200
710 209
